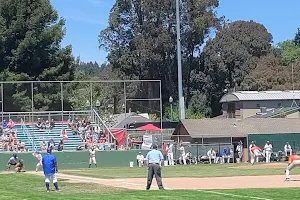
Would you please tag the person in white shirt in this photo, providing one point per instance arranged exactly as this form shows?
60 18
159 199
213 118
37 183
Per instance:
182 155
140 159
39 158
211 154
239 150
92 153
170 154
252 144
288 149
268 150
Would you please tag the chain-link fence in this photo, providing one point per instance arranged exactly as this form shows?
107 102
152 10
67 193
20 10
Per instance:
106 97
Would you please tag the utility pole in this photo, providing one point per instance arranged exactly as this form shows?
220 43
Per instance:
180 92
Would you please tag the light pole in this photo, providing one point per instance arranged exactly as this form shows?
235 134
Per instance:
98 104
87 104
171 106
180 92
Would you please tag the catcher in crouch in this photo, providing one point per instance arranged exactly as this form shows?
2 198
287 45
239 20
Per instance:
20 166
294 161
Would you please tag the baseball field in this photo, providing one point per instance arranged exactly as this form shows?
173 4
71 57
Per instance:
216 182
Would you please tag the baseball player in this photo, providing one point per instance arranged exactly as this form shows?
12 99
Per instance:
268 150
50 168
182 154
226 154
294 161
92 159
255 152
19 167
39 158
287 149
12 161
211 154
250 152
170 154
140 159
239 150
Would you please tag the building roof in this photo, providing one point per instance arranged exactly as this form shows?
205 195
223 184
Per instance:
276 112
260 96
208 128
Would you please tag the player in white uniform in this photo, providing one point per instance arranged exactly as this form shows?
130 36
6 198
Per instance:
239 150
39 158
182 157
140 159
170 154
288 149
250 152
211 154
92 159
268 150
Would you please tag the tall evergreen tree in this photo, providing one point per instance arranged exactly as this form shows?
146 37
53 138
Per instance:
30 36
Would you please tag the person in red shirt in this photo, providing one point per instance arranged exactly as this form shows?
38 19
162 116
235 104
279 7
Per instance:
255 152
294 161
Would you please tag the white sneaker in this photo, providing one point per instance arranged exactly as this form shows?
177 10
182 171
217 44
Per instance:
287 179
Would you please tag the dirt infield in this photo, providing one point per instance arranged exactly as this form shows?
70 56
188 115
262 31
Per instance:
238 182
262 166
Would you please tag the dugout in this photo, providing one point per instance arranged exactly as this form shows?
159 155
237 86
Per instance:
277 140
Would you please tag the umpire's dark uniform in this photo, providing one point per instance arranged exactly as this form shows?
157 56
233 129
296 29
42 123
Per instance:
154 159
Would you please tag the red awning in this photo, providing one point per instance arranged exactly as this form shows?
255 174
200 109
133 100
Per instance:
149 127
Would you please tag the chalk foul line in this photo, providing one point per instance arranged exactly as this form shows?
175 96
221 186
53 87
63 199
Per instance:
232 195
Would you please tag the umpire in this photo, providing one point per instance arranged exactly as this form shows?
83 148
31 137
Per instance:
154 162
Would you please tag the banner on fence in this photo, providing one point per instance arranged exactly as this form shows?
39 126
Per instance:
147 142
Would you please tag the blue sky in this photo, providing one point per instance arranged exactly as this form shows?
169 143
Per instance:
86 18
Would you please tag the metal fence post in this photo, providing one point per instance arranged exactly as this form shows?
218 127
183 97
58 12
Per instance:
2 101
62 101
32 102
161 115
125 108
91 90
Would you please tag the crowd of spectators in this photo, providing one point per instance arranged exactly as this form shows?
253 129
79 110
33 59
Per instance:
42 124
8 138
91 135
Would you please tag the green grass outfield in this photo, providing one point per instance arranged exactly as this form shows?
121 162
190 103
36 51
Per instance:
31 187
181 171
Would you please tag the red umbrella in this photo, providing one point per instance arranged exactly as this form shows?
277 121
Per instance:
149 127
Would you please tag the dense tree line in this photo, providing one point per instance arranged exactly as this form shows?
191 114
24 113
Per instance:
141 42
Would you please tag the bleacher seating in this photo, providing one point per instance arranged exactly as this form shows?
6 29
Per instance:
40 135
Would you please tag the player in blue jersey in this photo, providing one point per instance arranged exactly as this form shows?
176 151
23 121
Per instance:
50 168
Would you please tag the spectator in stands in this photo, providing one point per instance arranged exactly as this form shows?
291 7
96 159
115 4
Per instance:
47 123
61 145
90 142
39 123
70 122
21 146
51 143
11 124
63 134
52 124
43 145
43 125
4 124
